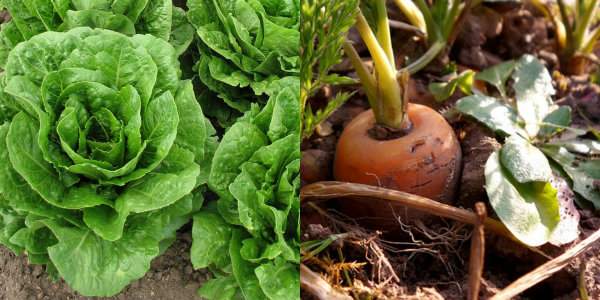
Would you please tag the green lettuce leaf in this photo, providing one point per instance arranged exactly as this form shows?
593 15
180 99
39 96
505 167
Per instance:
106 156
246 46
156 17
252 231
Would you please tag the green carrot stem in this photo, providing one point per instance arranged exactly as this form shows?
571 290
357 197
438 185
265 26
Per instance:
583 24
427 57
389 107
433 32
366 78
412 13
594 36
383 31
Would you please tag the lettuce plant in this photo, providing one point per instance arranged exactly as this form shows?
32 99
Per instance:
527 178
245 47
105 157
157 17
250 237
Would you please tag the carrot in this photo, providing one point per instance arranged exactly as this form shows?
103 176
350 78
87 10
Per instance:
426 161
396 145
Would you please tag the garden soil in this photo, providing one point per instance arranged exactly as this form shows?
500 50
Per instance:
171 277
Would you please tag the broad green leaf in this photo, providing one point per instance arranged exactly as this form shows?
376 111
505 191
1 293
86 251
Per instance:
567 229
192 126
497 75
530 211
220 288
533 91
10 223
279 280
491 112
18 194
585 173
258 199
238 144
27 159
243 271
555 122
98 19
182 33
210 241
157 19
524 161
97 267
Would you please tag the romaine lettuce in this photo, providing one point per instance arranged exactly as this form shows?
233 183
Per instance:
245 47
252 234
157 17
105 158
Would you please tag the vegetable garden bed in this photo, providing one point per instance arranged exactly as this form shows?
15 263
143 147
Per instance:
149 149
500 63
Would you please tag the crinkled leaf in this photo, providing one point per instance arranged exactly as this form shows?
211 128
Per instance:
211 236
98 169
279 280
220 288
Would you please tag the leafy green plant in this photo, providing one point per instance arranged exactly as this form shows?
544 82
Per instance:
441 91
322 35
248 51
251 236
574 23
157 17
105 158
521 177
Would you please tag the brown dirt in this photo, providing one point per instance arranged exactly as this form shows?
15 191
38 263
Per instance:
171 277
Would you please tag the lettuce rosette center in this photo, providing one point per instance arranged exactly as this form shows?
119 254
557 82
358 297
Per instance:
107 142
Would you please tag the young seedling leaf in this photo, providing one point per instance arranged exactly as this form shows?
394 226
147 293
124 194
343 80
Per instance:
585 174
555 122
497 75
533 89
491 112
524 161
530 211
443 90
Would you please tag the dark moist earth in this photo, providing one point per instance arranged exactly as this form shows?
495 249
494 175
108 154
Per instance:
171 277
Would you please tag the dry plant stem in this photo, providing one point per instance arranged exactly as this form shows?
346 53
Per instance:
546 270
335 189
477 252
315 285
583 294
